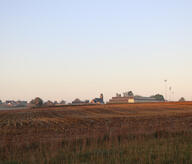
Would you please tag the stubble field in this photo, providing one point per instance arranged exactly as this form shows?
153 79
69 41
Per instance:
118 133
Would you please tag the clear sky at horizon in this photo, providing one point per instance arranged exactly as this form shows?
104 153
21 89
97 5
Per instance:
78 49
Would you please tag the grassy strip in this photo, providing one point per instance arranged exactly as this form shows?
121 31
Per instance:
159 147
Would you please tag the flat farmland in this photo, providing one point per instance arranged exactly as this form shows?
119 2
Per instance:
112 133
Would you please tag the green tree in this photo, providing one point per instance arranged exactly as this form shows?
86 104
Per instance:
130 93
182 99
158 97
37 102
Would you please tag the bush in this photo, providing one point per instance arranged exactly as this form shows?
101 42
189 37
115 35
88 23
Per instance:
182 99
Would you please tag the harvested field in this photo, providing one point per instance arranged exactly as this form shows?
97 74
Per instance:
117 133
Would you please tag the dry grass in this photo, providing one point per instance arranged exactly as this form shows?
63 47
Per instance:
118 133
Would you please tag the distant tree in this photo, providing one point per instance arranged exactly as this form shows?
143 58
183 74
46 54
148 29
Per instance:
55 103
63 102
158 97
0 102
182 99
37 102
76 101
48 103
130 93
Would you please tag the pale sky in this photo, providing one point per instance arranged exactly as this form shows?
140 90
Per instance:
67 49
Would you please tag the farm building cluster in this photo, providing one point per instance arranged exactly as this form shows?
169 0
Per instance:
128 97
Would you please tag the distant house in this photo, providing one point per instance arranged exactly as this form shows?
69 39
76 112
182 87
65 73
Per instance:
10 103
145 99
131 99
98 100
121 100
21 103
